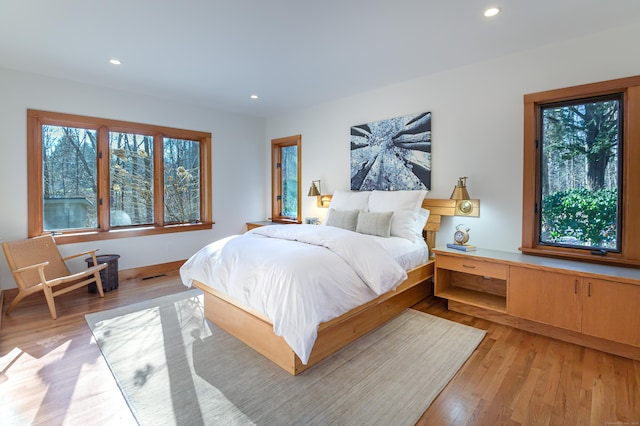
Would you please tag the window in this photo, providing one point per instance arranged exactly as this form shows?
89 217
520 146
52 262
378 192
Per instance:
131 179
286 204
92 178
580 165
581 145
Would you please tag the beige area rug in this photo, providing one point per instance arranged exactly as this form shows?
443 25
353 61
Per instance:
176 368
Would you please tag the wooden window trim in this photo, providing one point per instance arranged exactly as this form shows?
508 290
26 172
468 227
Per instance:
630 184
36 119
276 177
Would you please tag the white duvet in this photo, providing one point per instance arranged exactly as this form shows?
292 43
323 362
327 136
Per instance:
298 276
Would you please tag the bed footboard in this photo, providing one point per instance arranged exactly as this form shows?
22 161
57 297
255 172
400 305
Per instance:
255 330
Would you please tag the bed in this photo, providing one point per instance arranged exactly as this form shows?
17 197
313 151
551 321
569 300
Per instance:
253 311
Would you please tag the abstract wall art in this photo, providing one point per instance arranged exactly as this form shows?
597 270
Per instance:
392 154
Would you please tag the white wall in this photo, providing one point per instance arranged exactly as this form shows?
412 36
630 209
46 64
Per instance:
476 124
477 119
238 151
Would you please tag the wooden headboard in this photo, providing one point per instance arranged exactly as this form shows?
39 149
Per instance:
437 207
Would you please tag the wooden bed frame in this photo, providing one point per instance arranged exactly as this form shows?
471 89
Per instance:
255 330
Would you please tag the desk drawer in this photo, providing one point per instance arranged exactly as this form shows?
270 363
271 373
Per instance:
472 266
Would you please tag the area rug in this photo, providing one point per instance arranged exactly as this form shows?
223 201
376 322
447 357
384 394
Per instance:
174 367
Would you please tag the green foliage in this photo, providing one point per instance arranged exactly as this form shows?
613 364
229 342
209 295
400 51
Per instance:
581 217
290 181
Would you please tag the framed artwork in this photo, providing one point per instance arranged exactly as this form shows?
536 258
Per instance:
392 154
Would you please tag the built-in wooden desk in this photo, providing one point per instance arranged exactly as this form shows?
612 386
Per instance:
590 304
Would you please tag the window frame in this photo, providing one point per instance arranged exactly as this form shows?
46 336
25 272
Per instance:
36 119
630 179
276 178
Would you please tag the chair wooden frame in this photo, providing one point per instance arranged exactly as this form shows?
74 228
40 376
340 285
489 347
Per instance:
37 265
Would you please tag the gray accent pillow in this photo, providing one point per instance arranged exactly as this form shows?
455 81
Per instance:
345 219
374 223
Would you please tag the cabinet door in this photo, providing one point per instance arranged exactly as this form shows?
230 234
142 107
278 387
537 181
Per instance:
546 297
611 310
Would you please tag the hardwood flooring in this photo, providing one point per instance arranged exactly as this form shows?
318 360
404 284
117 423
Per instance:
52 372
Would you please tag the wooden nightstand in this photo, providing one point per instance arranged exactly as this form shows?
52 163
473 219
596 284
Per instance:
251 225
471 280
258 224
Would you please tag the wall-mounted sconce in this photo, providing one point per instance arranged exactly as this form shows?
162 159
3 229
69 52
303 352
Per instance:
465 206
314 191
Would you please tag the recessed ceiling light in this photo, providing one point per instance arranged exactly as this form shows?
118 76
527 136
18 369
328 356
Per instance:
492 11
114 61
254 96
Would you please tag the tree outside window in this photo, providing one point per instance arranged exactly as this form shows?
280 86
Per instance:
131 177
289 164
580 173
69 182
181 181
286 186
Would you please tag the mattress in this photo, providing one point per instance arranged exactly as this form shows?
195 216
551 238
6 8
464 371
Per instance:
408 254
299 276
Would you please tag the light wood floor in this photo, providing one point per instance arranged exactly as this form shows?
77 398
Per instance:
52 373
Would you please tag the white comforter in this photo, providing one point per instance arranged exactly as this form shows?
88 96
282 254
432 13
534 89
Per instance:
298 276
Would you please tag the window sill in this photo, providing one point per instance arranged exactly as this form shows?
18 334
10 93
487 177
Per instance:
81 237
583 256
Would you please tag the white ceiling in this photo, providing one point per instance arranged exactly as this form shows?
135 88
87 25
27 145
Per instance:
292 53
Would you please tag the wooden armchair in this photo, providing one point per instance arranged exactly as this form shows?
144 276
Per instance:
37 265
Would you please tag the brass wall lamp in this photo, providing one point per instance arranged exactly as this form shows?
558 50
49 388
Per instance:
314 191
465 206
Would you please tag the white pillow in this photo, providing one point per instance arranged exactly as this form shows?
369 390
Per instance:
421 221
405 206
350 200
345 219
374 223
